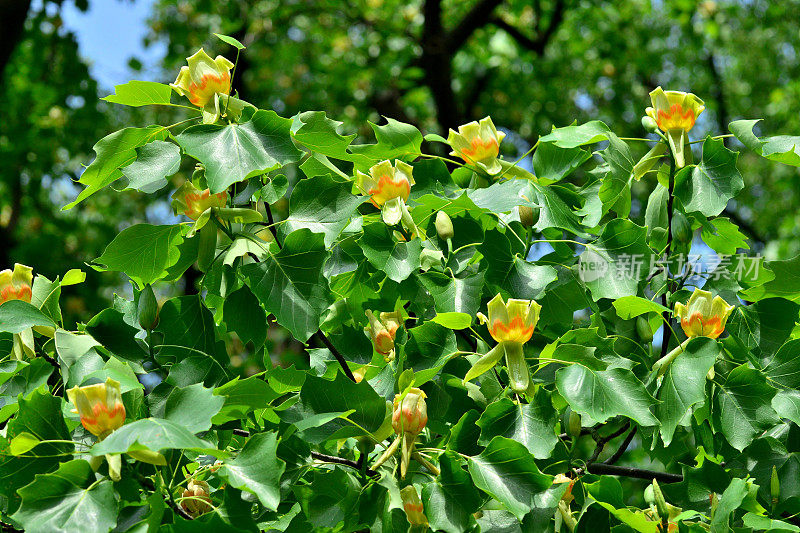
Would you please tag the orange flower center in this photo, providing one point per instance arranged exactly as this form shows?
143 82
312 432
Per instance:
103 419
196 203
388 188
201 93
696 325
676 118
384 342
480 150
515 331
411 507
13 293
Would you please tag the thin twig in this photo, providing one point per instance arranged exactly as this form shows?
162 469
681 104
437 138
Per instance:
339 357
602 441
622 448
342 461
638 473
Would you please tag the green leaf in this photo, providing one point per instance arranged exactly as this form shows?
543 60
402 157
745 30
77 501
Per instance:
243 396
782 280
554 212
684 384
323 204
786 403
607 491
573 136
257 469
606 393
330 499
320 396
243 314
453 320
429 347
764 523
533 424
552 163
397 259
318 133
155 162
508 473
290 284
235 152
20 378
68 500
144 252
150 434
617 261
451 499
454 295
744 406
137 93
764 326
230 40
113 152
17 316
784 367
23 443
723 236
192 407
275 189
395 139
709 186
782 148
730 500
632 306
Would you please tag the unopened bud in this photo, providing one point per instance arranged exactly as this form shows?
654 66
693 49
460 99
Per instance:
681 228
412 505
661 503
649 124
444 226
196 500
410 413
574 424
643 329
528 216
775 487
147 310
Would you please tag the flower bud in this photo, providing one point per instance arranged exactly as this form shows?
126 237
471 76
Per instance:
574 424
661 503
444 226
196 500
147 310
649 124
774 487
16 285
528 216
681 228
561 478
643 329
100 407
383 331
674 113
413 507
207 246
190 201
410 412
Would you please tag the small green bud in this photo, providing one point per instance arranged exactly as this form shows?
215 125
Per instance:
528 216
681 228
574 424
649 495
147 310
661 503
649 124
643 329
444 226
775 487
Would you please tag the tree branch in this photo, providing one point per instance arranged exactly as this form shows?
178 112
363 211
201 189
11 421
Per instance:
342 461
601 469
336 354
622 448
602 441
538 43
477 17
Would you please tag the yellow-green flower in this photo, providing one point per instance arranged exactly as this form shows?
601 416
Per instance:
190 201
16 285
100 407
513 321
478 143
410 413
703 316
196 500
412 505
675 112
203 79
382 331
388 188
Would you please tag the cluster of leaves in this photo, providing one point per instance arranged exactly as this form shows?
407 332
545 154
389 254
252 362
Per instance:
288 449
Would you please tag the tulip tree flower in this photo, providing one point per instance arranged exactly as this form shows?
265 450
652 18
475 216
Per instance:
389 188
383 330
415 511
16 284
703 316
409 417
99 406
675 113
203 81
478 143
190 201
511 325
195 498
